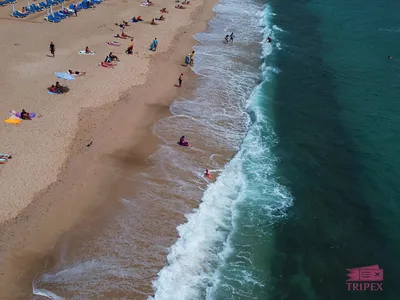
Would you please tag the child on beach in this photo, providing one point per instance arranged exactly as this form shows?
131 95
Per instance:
154 44
187 59
130 47
180 80
192 58
52 49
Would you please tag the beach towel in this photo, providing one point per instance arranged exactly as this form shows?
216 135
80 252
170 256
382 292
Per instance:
51 93
64 75
113 43
83 52
13 121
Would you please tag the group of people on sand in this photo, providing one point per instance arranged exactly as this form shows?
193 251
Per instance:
57 88
138 19
189 59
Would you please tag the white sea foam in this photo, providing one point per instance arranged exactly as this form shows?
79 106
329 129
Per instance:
197 261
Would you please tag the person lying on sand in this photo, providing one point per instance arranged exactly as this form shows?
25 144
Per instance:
161 18
87 50
76 73
107 65
119 36
186 2
138 19
153 22
180 7
125 35
4 158
164 10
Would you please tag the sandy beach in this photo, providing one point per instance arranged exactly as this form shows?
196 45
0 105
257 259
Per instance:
55 180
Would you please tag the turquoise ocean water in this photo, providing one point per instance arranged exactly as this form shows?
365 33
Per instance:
313 189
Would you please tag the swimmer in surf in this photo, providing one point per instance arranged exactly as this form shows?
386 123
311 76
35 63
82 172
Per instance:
269 40
390 57
182 141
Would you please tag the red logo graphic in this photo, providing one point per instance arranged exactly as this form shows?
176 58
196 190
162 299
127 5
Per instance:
367 278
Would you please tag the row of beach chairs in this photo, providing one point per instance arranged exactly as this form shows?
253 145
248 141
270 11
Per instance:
57 16
60 15
34 8
4 3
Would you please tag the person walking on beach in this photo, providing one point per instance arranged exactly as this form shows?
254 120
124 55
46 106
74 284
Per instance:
155 44
180 80
231 37
52 49
75 10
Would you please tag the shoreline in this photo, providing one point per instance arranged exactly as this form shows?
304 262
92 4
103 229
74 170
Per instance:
38 227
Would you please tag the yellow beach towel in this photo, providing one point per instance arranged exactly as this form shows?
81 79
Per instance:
13 121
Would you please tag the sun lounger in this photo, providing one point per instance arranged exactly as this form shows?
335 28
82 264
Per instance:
53 19
60 16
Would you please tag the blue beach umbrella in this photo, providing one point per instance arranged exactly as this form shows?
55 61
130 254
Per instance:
64 75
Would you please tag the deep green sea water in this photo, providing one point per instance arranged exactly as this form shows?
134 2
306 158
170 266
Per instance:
336 111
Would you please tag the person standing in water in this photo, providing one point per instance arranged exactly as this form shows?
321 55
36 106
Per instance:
52 49
192 58
227 38
207 174
231 37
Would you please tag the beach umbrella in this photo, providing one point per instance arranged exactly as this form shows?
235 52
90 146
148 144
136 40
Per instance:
64 75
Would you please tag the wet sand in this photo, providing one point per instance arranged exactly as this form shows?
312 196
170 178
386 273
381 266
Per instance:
93 177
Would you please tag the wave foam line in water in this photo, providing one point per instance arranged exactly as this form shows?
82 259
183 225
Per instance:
234 215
